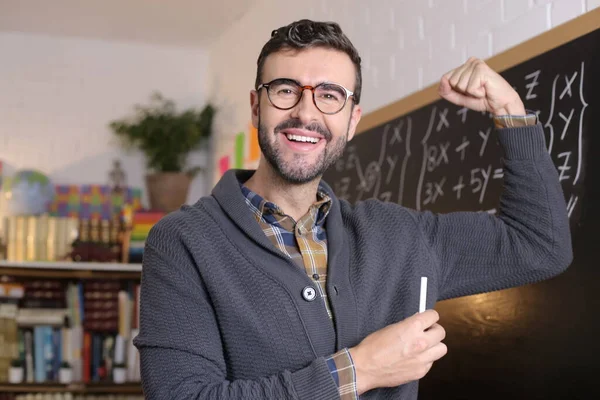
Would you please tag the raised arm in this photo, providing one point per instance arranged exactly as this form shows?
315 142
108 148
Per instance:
529 240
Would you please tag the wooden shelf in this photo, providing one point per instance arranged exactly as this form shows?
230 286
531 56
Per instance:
68 265
75 270
125 388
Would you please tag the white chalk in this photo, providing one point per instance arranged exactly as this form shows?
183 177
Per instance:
423 297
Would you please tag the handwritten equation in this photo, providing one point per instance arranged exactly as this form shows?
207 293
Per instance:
445 158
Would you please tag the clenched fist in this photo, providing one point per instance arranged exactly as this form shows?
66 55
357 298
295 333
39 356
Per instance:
399 353
478 87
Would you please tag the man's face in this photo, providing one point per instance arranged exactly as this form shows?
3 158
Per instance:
286 136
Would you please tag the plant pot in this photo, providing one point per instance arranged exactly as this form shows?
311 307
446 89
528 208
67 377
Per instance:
167 191
119 375
15 374
65 375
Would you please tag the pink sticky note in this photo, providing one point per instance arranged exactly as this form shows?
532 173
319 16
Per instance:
223 164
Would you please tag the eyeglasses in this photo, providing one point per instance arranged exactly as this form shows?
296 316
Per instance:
285 94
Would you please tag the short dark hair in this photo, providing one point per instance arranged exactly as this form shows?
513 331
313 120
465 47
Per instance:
304 34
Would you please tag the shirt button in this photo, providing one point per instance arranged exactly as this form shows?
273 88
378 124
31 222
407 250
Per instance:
309 293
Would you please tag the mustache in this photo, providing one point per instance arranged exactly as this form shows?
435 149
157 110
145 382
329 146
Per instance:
297 124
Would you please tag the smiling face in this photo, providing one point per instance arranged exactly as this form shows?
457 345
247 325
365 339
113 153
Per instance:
299 144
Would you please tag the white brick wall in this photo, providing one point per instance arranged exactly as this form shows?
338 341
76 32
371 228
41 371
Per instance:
512 9
405 44
524 26
591 4
481 46
58 95
564 10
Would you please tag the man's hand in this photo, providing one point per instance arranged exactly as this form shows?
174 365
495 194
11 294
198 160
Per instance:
476 86
399 353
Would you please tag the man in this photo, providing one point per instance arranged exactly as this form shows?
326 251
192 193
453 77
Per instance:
272 288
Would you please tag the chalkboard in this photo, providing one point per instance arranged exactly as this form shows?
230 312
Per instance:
445 158
533 342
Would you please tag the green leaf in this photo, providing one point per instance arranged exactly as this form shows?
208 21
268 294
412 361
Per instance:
165 136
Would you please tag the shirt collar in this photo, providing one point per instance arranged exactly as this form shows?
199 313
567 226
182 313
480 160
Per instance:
264 207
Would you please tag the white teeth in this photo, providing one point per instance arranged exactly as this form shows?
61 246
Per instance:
298 138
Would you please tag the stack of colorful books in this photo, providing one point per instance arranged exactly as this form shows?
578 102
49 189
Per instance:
142 222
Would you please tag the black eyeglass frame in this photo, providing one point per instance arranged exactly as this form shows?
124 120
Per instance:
302 88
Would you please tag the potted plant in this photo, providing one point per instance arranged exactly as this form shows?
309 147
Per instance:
65 373
16 371
166 137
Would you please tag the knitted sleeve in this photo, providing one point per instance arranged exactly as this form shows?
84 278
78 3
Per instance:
528 240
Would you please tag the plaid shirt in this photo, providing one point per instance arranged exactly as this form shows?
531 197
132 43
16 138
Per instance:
511 121
305 242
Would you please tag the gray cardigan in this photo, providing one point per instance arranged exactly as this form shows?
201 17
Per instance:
222 311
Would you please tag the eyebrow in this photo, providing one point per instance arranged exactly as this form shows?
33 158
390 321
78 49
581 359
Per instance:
287 80
300 84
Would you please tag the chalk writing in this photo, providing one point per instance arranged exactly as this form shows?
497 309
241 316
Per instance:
456 162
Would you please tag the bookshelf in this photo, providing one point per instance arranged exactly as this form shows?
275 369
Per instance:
82 275
91 388
69 265
70 270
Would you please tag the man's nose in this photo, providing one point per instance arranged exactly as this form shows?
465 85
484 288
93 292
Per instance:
305 110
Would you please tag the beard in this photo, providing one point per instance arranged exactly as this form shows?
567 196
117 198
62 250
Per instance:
300 170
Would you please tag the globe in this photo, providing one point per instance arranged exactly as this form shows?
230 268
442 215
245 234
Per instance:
28 192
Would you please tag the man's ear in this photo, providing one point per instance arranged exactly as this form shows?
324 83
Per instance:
254 106
354 120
